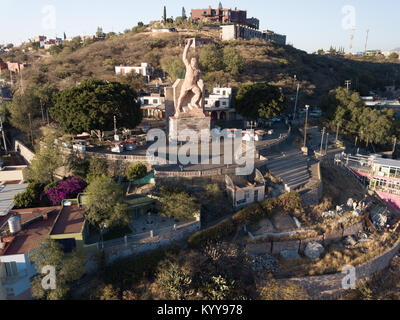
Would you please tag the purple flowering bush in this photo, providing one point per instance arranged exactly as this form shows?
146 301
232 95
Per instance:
66 189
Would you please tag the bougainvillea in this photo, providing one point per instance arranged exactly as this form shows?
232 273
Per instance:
66 189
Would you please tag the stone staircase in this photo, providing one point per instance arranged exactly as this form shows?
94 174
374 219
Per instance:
291 166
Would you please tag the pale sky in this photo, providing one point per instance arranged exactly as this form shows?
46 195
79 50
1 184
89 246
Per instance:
308 24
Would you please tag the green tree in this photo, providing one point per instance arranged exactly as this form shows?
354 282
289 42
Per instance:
48 158
259 100
210 58
68 268
136 81
23 105
92 106
165 15
233 61
178 204
173 66
105 206
136 172
394 56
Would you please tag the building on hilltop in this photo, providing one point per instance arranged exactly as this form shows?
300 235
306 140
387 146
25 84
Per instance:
145 69
237 31
223 15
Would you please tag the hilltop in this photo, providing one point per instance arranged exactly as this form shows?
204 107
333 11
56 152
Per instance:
262 62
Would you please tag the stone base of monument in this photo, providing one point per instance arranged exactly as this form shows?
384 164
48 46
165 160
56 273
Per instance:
197 124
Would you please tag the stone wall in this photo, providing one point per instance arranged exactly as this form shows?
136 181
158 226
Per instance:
26 153
330 286
137 247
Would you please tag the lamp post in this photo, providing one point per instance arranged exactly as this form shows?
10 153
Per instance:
327 142
322 140
297 98
305 127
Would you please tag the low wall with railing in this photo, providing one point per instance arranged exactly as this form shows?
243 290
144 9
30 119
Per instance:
136 244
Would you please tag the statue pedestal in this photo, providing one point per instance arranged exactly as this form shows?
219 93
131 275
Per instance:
197 124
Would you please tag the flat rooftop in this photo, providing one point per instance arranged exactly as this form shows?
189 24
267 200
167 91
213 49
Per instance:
70 220
31 235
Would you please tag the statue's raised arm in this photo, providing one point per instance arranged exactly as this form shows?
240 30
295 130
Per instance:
185 53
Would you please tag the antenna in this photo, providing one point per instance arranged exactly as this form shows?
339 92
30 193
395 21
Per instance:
366 40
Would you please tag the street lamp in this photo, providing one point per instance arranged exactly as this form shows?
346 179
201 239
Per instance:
305 127
297 98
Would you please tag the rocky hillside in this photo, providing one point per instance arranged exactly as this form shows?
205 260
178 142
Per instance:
262 62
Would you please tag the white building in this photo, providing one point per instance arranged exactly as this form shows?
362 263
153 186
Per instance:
153 106
218 104
144 69
245 193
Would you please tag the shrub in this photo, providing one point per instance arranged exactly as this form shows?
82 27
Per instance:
249 215
290 202
126 273
30 198
136 171
214 234
67 189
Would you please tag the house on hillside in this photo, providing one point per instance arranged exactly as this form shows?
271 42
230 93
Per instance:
22 231
145 69
244 192
218 104
153 106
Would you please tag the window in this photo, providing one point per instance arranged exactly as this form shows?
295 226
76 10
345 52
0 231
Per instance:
256 195
11 269
247 195
146 101
155 101
217 104
224 103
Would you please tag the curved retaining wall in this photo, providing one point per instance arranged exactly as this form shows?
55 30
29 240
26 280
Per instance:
327 287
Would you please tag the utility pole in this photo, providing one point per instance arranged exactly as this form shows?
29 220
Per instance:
4 137
327 142
394 144
22 84
297 99
305 127
41 108
366 41
30 128
348 84
47 113
322 140
337 133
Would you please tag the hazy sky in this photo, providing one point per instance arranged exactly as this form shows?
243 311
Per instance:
308 24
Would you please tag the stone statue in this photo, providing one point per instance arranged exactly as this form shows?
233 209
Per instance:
192 85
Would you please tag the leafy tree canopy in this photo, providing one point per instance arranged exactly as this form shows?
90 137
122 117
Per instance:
259 100
136 172
93 104
105 207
